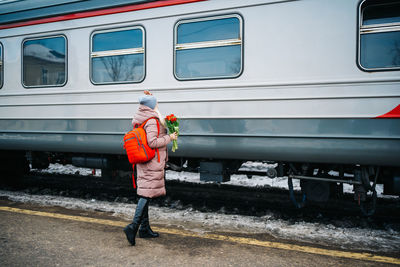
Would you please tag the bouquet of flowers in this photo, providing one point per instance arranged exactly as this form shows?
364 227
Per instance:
172 123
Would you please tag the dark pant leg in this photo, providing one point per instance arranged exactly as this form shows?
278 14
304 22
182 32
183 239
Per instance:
145 218
145 230
132 229
140 210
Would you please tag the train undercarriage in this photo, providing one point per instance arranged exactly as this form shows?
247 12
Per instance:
319 182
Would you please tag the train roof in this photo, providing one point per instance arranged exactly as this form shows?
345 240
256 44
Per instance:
12 11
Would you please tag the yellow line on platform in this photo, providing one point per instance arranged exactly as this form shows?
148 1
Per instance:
238 240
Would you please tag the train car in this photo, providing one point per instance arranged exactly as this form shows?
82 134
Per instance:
311 85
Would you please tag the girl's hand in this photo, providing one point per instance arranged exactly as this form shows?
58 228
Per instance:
173 136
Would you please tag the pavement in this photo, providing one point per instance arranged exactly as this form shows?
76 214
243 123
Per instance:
32 235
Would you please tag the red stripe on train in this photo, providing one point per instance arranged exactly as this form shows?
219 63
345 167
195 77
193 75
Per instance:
102 12
394 113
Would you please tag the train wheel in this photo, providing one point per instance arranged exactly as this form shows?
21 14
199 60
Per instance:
367 204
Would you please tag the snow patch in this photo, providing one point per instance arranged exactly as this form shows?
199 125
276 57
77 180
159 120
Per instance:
203 222
237 180
57 168
44 53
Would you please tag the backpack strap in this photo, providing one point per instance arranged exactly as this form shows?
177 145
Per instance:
133 176
158 133
144 123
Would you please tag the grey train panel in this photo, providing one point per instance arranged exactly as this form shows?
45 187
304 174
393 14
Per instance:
349 141
304 128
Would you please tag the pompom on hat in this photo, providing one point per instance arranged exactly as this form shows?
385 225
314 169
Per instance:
148 100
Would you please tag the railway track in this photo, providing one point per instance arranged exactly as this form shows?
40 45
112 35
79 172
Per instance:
215 198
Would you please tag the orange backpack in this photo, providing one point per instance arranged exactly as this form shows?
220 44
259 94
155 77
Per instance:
136 147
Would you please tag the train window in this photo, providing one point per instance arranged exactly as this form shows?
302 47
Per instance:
208 48
1 65
117 56
44 61
380 35
381 14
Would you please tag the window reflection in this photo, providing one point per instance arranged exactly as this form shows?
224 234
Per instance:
117 40
208 62
380 50
44 62
118 56
379 14
118 68
380 35
209 48
219 29
1 65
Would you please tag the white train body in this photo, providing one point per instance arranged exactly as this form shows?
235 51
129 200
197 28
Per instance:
301 93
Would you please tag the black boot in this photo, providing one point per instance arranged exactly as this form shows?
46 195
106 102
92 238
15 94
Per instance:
131 229
145 230
130 232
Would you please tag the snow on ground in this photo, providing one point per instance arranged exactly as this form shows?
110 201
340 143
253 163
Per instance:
190 177
240 180
202 222
57 168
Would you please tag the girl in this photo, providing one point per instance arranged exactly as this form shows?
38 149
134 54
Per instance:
150 175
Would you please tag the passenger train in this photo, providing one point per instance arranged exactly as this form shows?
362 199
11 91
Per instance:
310 85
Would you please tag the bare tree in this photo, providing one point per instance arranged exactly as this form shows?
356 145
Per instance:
113 66
396 51
119 68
